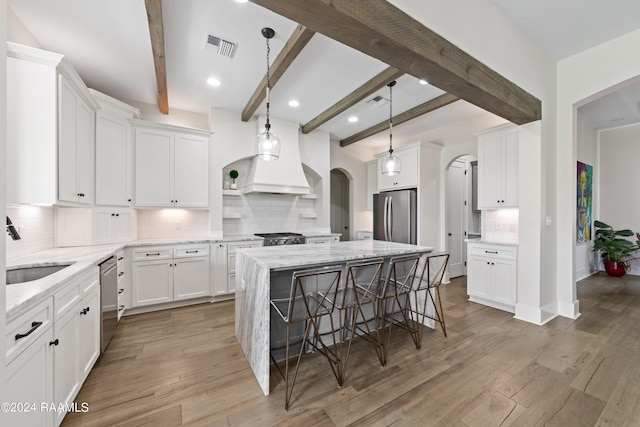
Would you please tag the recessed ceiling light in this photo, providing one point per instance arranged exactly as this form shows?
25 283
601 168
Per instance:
423 82
241 1
294 103
212 81
353 119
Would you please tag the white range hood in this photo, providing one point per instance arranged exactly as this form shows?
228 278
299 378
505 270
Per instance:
285 175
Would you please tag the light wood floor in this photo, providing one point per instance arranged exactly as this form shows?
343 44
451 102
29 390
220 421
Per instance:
185 367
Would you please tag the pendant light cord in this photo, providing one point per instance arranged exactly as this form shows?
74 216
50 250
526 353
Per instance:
268 125
391 118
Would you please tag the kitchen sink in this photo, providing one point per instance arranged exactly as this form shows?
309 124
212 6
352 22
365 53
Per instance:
28 274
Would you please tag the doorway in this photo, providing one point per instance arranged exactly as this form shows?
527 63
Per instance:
339 195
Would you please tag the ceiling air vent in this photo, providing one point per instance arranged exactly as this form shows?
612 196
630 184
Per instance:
378 101
219 45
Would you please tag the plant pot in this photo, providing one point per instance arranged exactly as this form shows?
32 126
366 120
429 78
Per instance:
614 268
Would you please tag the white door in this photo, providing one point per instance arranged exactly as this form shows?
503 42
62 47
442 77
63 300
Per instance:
191 169
154 168
455 196
339 195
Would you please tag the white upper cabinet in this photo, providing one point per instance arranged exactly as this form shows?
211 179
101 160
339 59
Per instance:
50 129
171 166
498 168
114 151
408 176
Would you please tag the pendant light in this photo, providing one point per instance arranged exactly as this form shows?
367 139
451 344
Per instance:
390 163
268 145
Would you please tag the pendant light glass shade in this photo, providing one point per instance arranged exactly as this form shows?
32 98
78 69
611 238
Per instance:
390 163
267 144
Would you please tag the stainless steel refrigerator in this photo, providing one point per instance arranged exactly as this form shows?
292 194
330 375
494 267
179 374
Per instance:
394 216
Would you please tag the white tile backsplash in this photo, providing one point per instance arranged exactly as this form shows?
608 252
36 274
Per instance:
172 223
267 213
36 227
500 225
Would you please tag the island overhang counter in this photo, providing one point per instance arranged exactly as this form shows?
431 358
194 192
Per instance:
255 269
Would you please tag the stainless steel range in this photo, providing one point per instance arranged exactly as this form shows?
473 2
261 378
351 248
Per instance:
276 239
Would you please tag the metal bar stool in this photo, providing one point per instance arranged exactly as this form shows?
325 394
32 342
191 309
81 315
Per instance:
394 292
359 290
312 297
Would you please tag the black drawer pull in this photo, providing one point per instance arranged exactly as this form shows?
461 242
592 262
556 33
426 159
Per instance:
492 252
192 252
121 308
120 258
121 273
121 291
154 254
55 342
34 326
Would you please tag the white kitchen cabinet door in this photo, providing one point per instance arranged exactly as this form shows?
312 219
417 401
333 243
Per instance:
89 342
123 226
151 282
191 171
478 276
492 276
503 280
408 176
498 171
113 161
29 378
75 139
154 168
66 365
218 270
124 281
190 278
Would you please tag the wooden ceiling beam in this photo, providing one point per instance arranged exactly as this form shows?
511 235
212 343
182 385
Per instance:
377 82
382 31
156 32
291 49
412 113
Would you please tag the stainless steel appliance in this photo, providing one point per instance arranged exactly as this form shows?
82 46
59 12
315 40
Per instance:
275 239
394 216
109 301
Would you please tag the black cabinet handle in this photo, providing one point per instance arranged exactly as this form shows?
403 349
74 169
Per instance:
120 258
153 254
120 291
121 273
121 308
55 342
34 326
192 252
113 214
128 200
491 252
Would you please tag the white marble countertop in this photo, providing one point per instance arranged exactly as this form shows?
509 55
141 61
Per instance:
22 295
288 256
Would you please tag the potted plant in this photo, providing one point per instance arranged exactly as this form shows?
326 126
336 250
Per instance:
614 249
233 174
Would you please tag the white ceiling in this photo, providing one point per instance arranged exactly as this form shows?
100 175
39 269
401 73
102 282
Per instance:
108 43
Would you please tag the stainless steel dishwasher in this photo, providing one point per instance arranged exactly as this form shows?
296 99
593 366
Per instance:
109 301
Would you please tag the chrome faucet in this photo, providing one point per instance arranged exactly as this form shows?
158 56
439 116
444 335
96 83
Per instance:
12 230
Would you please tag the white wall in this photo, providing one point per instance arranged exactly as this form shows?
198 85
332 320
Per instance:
175 117
356 171
580 77
587 139
172 223
619 180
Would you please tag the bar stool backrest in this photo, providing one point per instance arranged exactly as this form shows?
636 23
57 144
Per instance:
363 276
401 274
313 292
435 268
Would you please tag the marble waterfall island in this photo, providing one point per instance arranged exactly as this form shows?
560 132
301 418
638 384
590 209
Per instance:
263 269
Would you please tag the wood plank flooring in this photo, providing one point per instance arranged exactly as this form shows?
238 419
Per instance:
185 367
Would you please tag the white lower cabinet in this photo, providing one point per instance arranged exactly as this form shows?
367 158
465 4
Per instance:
51 348
124 281
29 370
492 275
166 273
223 265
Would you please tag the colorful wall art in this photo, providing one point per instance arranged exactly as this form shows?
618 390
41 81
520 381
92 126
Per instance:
584 202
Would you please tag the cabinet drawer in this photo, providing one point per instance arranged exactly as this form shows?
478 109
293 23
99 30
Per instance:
89 282
191 251
152 253
120 259
33 323
493 251
231 248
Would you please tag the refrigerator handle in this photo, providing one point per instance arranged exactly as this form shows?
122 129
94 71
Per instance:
390 218
384 218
